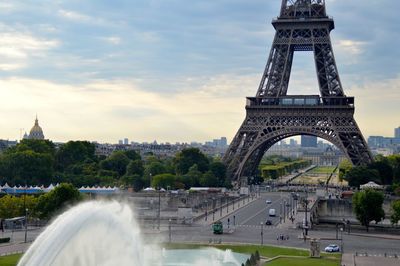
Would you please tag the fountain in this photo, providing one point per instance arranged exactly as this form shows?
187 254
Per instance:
106 233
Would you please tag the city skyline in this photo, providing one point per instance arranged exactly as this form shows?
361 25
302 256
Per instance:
99 71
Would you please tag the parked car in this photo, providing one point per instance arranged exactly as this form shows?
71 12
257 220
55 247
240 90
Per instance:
332 248
268 222
268 201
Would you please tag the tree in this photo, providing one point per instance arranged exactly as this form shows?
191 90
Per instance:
163 181
188 157
135 181
367 205
57 199
395 218
360 175
344 167
384 169
74 152
135 168
132 155
219 171
36 145
117 162
12 206
27 167
192 177
394 161
208 179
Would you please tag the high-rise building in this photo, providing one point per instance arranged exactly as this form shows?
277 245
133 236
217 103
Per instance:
126 141
308 141
397 132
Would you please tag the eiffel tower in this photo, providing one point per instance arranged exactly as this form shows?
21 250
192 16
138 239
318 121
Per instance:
273 115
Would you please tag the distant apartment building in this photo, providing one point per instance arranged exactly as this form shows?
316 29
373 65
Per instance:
397 133
308 141
5 144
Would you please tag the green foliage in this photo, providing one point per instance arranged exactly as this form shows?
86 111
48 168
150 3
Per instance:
132 155
208 179
13 206
74 152
344 167
163 181
257 255
35 145
27 167
394 161
282 168
134 181
367 205
360 175
135 168
395 217
57 199
187 158
117 162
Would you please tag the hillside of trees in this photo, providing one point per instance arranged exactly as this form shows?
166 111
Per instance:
39 162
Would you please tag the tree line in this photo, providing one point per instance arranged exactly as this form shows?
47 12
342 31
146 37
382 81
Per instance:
383 171
39 162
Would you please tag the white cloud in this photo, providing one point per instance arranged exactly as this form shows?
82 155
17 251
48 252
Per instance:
103 110
68 14
112 40
350 47
16 47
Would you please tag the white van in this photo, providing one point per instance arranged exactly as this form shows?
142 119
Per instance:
272 212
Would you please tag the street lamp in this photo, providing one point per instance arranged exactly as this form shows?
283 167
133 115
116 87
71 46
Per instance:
341 239
169 229
262 233
26 224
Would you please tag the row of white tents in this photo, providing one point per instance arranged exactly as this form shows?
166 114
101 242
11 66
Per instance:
43 189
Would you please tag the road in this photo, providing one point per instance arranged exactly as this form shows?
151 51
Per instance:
247 229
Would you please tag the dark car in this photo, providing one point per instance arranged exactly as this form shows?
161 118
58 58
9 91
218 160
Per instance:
268 222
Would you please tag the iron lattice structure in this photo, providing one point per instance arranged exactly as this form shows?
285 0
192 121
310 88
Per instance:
272 115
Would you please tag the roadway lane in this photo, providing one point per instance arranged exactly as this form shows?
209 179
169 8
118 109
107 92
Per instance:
256 212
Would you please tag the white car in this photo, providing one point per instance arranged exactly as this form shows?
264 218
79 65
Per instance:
332 248
268 201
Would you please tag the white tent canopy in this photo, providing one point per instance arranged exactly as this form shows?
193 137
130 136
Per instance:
372 185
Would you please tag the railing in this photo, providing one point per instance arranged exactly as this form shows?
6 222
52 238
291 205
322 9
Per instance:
300 100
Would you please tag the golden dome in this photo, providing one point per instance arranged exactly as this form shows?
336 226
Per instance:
36 131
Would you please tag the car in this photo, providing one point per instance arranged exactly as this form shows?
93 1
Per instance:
332 248
268 222
272 212
268 201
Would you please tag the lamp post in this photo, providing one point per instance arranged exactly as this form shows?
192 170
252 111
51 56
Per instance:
159 207
26 225
262 233
220 207
341 239
169 230
26 215
284 211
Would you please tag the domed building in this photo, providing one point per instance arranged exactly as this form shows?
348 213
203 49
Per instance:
36 131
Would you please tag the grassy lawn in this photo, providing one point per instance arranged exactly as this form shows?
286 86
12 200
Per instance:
323 170
265 251
304 262
10 260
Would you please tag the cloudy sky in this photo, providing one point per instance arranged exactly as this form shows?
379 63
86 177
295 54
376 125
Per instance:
176 70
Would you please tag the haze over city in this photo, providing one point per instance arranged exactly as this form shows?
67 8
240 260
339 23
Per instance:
174 70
